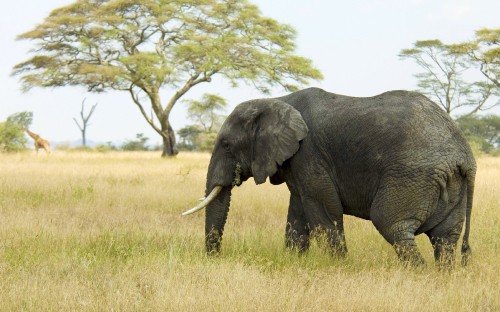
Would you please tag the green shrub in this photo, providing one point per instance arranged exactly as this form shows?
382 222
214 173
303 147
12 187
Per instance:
12 138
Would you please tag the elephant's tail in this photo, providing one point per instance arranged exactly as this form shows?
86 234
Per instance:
466 250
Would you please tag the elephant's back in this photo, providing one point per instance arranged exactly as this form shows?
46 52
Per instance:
392 126
424 130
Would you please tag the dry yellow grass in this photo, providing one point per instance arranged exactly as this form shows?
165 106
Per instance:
103 232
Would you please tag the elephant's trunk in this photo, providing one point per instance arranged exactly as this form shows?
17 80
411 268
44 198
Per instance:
220 176
215 219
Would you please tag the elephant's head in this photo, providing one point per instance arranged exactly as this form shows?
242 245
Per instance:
256 138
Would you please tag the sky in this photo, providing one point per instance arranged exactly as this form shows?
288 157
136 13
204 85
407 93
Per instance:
355 44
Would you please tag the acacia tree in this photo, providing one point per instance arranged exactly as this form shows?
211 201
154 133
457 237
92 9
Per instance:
189 137
22 119
484 51
207 112
443 80
207 116
142 46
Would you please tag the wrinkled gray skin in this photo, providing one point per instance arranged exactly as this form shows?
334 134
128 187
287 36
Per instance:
396 159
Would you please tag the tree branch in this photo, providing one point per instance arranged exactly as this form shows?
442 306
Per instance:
78 124
192 81
137 102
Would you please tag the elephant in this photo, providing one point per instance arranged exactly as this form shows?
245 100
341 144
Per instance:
396 159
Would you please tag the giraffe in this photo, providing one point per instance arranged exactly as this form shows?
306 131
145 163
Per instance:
39 141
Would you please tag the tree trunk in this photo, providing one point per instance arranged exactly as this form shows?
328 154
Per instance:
84 139
168 135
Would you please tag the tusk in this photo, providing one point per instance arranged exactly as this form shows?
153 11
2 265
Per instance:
215 191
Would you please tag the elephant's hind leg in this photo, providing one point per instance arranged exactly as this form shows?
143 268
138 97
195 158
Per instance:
398 211
401 235
444 251
445 235
406 248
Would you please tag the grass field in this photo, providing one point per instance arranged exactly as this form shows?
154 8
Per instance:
103 232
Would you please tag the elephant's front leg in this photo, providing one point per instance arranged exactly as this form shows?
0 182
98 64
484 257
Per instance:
297 229
315 205
324 214
335 238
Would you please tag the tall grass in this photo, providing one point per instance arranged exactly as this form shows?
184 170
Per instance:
103 232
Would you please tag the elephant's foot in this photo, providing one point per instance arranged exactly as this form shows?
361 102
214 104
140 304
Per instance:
444 254
444 239
336 243
333 240
298 243
408 253
297 236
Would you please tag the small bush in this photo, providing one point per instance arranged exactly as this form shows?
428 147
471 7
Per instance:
12 138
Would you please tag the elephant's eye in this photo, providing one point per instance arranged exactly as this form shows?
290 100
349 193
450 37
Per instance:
225 145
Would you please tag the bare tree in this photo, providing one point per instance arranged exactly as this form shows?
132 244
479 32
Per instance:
85 121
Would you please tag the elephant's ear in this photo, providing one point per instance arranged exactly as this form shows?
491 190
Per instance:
278 130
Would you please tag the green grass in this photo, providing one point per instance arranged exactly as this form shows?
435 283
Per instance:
103 232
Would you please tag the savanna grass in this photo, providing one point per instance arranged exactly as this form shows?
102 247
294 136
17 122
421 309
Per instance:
103 232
